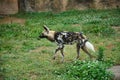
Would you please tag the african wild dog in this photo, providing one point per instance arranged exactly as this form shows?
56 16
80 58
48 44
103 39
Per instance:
62 38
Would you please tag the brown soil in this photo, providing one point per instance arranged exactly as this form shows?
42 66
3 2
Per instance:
117 28
110 46
10 20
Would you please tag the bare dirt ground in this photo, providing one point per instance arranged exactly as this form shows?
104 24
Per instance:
10 20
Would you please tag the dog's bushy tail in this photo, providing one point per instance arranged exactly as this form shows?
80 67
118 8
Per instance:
89 46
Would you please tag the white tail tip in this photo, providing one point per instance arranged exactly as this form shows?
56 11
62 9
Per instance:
89 46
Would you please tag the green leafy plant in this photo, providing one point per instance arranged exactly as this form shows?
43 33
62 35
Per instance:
100 54
88 70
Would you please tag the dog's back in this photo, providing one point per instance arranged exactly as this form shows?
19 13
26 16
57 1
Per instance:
68 37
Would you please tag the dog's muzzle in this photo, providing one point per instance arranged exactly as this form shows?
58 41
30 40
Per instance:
41 36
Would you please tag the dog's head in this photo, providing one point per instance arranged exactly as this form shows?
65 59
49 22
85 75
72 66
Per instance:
47 33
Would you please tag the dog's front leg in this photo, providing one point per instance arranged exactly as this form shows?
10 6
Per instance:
60 47
62 53
56 52
78 50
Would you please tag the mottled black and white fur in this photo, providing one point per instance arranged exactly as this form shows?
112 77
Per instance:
63 38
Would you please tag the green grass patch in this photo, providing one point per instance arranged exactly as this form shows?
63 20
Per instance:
24 57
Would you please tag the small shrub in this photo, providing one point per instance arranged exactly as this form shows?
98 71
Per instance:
100 54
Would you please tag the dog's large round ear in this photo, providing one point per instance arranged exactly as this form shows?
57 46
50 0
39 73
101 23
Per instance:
46 28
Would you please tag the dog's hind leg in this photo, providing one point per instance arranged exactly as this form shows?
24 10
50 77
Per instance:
78 50
86 51
62 54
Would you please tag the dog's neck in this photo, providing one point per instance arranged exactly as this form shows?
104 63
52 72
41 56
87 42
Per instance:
51 36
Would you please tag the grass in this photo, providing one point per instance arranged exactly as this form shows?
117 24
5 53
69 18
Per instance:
23 57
